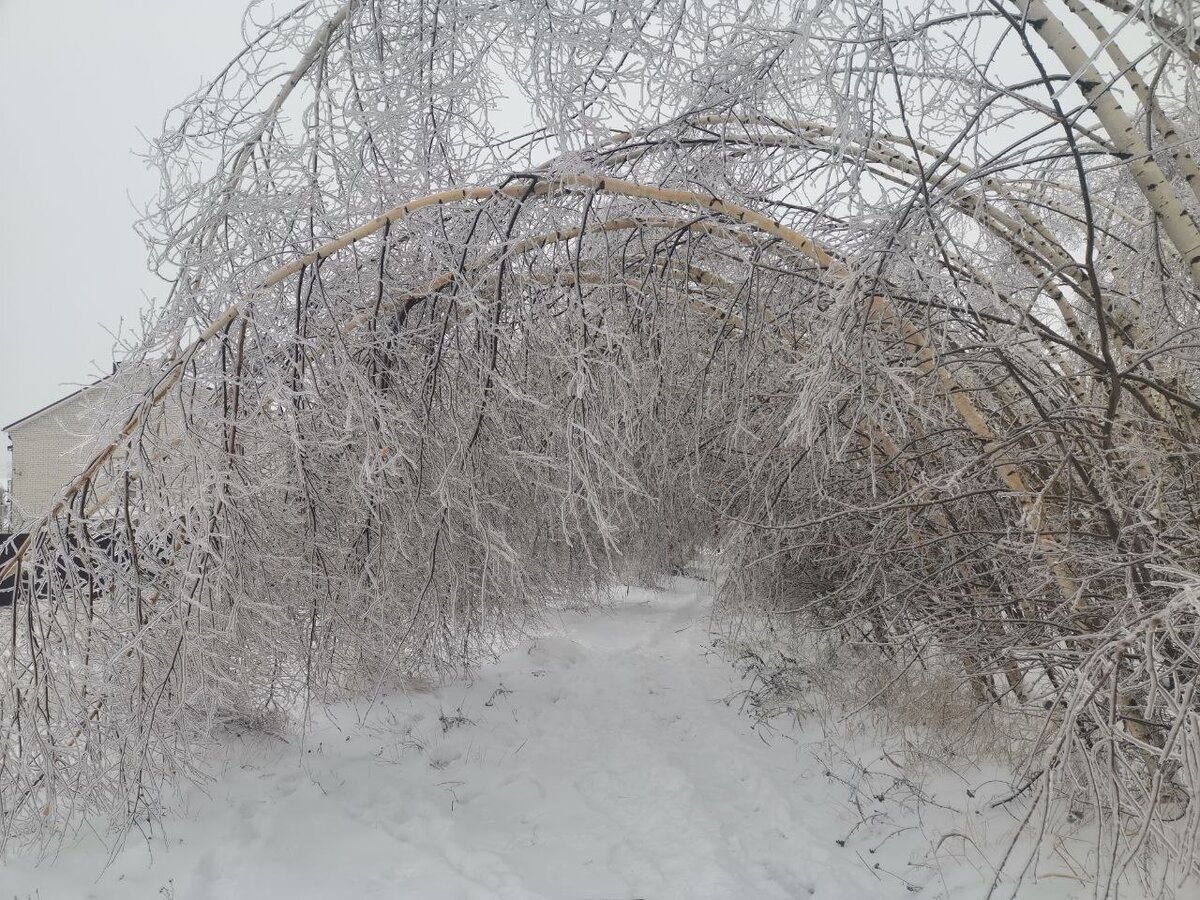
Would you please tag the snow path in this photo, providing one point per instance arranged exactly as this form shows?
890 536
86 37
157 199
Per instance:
597 762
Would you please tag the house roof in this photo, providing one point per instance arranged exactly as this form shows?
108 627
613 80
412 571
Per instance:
50 406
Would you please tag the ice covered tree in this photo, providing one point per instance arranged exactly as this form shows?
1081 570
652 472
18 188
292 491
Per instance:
480 305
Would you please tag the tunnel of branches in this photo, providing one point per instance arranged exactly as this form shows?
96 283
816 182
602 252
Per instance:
939 402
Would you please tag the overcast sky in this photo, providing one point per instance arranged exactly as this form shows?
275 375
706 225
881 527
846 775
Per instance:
78 79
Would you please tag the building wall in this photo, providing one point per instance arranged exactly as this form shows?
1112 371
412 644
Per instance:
48 451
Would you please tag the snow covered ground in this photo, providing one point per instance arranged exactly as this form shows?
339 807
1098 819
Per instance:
605 760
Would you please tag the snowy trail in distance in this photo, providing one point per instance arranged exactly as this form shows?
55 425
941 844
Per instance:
598 762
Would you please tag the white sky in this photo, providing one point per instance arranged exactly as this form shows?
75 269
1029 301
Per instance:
78 79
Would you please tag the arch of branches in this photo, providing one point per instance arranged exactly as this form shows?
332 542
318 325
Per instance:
919 388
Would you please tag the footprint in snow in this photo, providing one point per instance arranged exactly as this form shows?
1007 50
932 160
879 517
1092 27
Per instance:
556 652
